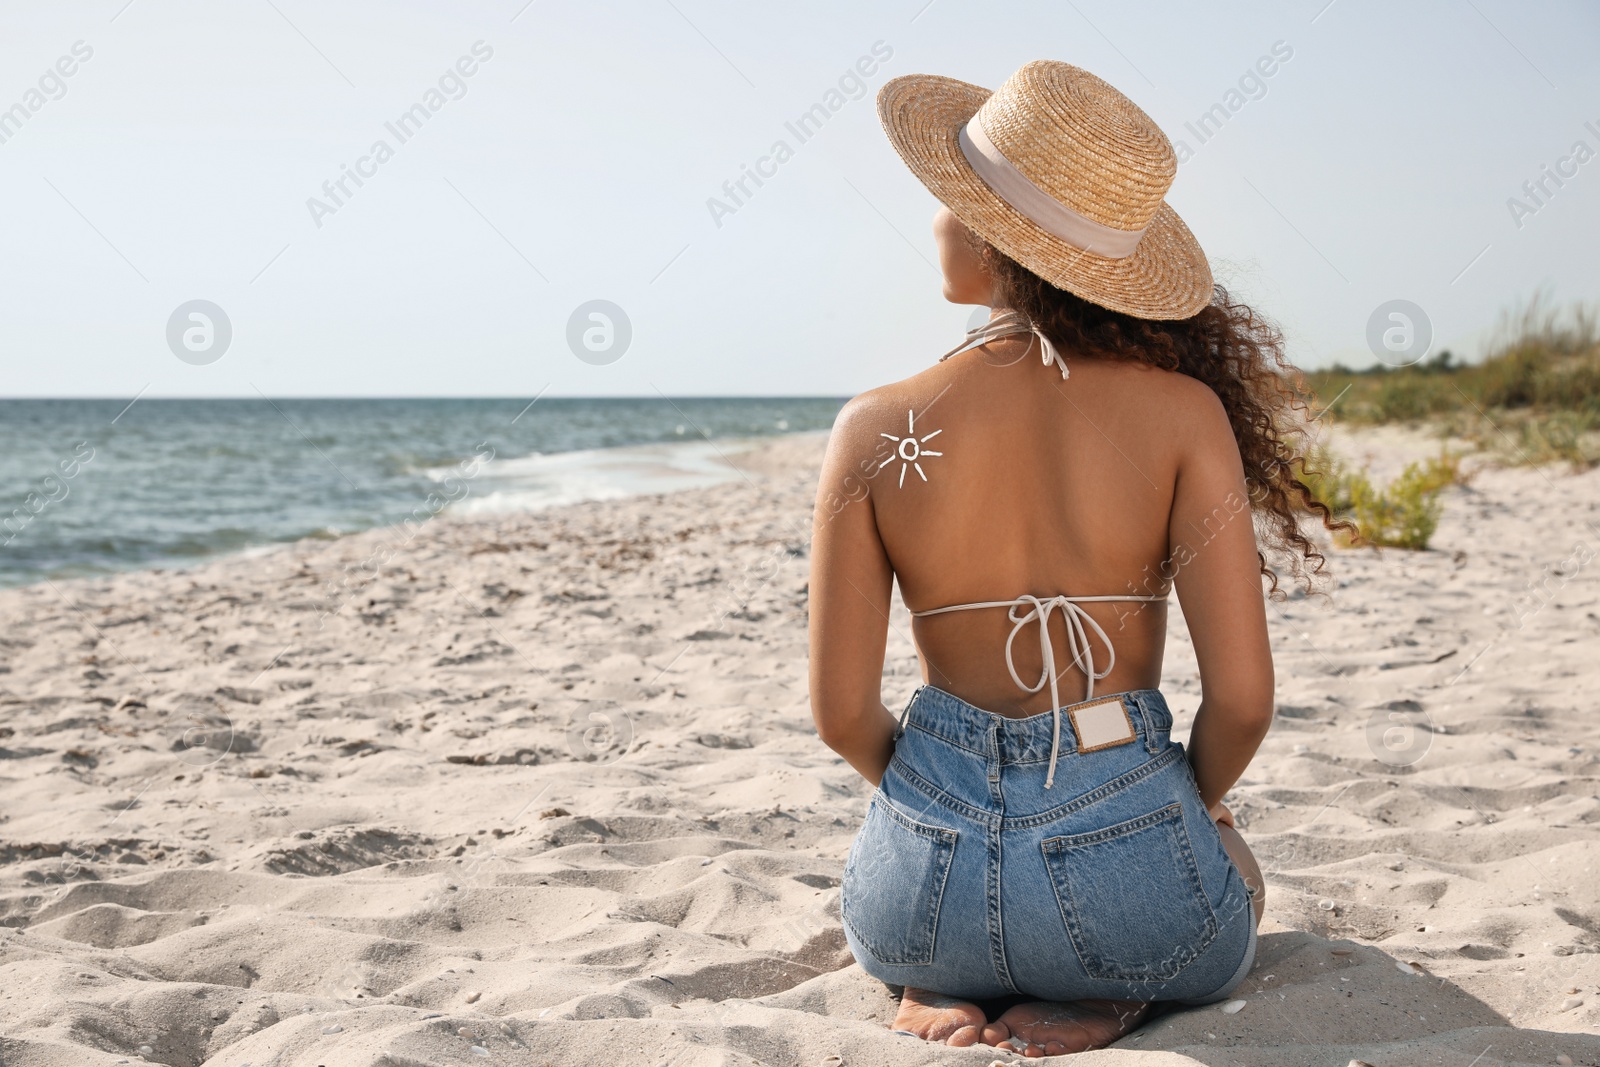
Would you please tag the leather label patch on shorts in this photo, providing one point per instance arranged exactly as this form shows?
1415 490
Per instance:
1101 724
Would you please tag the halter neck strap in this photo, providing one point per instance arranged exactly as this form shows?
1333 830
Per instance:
1007 324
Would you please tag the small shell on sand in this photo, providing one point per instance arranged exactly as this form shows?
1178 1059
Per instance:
1325 904
1233 1007
472 997
334 1029
1571 1002
832 1060
1407 968
1358 1063
1564 1060
479 1050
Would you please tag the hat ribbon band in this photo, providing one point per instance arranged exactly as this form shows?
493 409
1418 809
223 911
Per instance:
1044 210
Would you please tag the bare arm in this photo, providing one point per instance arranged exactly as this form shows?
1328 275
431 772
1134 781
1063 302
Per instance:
849 602
1213 544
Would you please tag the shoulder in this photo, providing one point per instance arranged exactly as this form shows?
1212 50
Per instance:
1199 426
856 435
1170 387
1181 402
865 418
1188 422
868 427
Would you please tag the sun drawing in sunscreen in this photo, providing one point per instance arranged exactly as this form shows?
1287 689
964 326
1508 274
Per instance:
910 450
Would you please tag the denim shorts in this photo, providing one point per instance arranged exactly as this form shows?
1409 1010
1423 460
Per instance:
970 879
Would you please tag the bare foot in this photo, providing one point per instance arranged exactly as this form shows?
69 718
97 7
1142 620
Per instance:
1047 1029
936 1017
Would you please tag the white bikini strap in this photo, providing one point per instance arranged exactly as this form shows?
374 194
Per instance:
1008 324
1078 623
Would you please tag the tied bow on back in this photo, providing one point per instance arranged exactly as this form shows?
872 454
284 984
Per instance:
1026 609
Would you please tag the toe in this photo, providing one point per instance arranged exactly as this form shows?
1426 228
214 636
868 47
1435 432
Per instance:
934 1017
995 1033
964 1037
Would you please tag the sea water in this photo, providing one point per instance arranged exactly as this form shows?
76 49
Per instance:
92 486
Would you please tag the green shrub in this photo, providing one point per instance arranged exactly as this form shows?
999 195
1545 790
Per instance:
1403 514
1441 472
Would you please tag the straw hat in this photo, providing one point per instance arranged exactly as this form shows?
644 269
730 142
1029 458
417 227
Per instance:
1062 173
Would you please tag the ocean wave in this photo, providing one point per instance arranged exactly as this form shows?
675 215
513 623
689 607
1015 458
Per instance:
537 481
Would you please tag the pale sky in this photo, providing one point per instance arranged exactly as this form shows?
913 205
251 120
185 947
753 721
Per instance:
576 163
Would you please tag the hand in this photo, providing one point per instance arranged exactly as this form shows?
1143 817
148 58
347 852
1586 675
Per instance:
1220 813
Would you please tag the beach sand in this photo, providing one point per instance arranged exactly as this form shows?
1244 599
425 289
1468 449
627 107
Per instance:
545 790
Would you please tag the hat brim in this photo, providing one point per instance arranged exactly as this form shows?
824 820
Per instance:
1167 277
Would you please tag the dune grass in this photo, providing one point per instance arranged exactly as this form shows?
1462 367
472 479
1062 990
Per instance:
1534 399
1402 514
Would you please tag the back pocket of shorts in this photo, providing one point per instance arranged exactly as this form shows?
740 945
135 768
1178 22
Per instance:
894 884
1131 898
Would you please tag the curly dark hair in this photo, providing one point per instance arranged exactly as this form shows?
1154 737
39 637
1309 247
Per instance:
1234 351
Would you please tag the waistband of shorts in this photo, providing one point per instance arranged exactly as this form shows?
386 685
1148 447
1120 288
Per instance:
1027 740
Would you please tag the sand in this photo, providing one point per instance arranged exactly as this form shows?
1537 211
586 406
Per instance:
544 790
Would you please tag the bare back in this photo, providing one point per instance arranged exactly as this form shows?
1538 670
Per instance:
1042 486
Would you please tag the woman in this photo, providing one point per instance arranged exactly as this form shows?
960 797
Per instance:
1021 843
